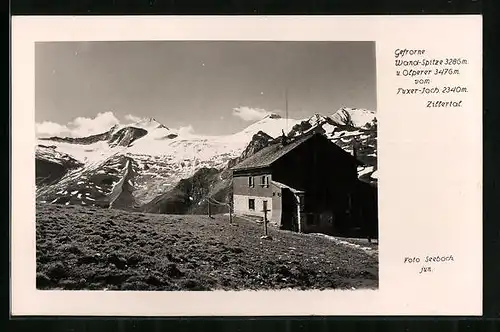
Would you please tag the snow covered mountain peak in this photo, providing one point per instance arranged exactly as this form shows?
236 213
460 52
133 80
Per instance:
271 125
354 117
316 119
150 123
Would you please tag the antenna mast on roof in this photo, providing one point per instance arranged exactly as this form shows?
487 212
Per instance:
286 108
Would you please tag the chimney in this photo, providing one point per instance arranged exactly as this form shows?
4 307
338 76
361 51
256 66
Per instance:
355 148
286 108
284 139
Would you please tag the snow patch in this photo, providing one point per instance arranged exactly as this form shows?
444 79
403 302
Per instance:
345 243
365 170
356 117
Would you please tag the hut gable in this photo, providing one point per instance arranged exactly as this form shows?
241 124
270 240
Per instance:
269 155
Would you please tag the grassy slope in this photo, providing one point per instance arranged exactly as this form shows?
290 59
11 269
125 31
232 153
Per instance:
92 248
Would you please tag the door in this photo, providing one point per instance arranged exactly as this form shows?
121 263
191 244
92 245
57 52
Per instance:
289 215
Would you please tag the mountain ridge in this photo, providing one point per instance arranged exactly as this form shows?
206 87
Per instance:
159 162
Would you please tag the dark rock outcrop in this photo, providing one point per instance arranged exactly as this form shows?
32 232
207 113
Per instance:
125 136
51 166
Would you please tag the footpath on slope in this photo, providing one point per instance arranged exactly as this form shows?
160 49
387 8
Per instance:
358 244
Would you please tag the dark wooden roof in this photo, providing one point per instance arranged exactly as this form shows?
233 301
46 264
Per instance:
268 155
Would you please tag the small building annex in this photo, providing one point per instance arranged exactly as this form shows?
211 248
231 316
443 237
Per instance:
307 184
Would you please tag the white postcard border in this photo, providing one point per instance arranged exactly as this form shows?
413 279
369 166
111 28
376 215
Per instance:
420 213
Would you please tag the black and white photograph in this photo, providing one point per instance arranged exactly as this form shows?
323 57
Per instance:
206 165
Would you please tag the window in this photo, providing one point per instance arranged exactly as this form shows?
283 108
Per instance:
264 181
251 204
312 219
250 182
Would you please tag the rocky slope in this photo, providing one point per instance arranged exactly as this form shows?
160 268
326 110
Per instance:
185 194
52 165
190 195
354 117
101 185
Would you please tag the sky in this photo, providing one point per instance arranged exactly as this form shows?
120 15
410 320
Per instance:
206 87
